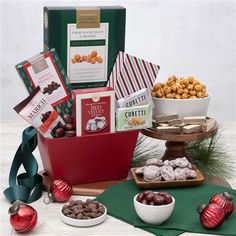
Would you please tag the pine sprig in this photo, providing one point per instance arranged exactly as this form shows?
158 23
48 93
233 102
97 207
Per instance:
212 157
145 149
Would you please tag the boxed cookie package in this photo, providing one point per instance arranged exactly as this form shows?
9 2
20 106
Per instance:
94 110
87 40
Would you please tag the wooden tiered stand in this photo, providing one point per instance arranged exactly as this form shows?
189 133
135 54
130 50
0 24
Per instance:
176 144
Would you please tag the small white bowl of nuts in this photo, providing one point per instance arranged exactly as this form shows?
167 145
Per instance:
154 207
83 213
182 96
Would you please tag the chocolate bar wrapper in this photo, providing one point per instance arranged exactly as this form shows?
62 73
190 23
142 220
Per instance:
46 71
38 112
132 118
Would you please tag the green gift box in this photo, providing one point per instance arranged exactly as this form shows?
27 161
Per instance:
45 70
87 40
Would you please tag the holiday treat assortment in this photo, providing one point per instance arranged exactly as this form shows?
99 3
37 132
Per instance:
157 170
86 94
83 210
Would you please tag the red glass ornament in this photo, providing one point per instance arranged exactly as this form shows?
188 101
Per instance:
60 191
211 215
225 200
23 217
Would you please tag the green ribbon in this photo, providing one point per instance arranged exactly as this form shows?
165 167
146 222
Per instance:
26 187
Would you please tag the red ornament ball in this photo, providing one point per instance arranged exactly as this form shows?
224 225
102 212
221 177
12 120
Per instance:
211 215
61 190
23 217
225 200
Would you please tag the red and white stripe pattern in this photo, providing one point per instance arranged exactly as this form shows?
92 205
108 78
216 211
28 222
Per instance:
131 74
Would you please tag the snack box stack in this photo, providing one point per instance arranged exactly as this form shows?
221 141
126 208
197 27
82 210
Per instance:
78 116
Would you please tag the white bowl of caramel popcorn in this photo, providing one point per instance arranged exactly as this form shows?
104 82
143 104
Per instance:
182 96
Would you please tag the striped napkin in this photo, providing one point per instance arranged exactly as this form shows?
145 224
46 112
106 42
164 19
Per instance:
131 74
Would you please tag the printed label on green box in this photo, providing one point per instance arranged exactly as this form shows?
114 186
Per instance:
87 53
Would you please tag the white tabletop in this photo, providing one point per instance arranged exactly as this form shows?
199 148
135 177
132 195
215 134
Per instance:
49 223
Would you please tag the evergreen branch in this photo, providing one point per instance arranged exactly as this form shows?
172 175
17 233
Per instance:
145 149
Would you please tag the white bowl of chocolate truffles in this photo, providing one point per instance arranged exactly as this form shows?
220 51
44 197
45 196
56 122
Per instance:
154 207
182 96
83 213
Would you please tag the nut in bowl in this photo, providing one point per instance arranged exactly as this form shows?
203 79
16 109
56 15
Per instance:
154 207
83 214
182 96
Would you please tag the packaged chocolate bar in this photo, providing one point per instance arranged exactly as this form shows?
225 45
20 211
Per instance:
136 117
94 110
87 40
39 113
141 97
46 71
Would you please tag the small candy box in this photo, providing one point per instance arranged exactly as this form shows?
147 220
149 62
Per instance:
46 71
94 110
136 117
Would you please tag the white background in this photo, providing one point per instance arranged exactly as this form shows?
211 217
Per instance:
184 37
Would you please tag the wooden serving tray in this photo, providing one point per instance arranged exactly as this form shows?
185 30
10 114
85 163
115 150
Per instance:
141 183
91 189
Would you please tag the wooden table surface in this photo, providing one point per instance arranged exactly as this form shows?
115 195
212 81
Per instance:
49 223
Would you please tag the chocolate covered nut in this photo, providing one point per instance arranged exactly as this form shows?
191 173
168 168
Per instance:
66 211
83 210
149 197
92 205
94 210
67 118
158 199
70 133
167 173
72 215
79 216
101 209
181 173
144 201
151 172
154 161
140 197
59 132
68 126
181 162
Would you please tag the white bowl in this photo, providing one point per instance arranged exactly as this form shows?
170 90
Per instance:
83 223
182 107
154 215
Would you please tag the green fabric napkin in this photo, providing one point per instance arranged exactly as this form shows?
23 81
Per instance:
119 202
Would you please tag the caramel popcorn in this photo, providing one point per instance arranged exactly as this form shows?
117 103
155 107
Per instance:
179 88
92 58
